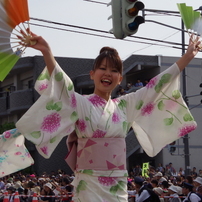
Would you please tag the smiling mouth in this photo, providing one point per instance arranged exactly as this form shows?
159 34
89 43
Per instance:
106 82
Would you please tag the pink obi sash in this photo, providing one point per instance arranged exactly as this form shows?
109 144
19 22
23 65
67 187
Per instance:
97 154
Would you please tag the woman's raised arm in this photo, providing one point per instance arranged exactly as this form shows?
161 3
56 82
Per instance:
192 50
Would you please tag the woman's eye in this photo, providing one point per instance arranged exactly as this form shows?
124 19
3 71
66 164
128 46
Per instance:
102 68
114 70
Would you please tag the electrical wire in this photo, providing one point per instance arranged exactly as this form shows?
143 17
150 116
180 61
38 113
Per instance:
98 35
105 32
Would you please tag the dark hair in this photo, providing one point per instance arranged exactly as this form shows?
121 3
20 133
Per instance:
112 57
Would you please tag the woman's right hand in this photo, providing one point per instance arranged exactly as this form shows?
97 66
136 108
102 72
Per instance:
29 39
39 43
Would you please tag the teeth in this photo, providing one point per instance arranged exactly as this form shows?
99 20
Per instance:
105 80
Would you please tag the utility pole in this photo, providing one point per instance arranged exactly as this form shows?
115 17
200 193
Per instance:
184 92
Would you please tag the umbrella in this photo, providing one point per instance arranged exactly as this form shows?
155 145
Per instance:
14 17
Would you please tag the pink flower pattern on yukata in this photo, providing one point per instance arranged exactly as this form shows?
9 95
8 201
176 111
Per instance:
107 181
44 150
148 109
18 153
97 100
73 101
186 129
98 134
115 118
51 123
43 87
7 134
81 124
152 83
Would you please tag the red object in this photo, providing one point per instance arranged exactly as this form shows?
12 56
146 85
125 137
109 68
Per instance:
16 197
34 199
6 197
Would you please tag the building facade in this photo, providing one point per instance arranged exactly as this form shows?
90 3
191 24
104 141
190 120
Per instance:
17 95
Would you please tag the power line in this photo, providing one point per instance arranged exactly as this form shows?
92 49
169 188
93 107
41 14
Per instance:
105 32
80 32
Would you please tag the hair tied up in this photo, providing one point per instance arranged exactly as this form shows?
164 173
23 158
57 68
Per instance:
108 50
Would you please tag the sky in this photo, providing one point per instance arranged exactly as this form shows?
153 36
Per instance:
93 15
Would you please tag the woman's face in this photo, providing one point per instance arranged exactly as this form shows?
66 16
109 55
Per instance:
105 79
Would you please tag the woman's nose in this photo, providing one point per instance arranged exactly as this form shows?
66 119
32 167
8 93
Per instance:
108 72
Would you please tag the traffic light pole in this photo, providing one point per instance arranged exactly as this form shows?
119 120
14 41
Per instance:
184 90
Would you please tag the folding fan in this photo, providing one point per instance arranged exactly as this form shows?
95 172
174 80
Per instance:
192 19
14 15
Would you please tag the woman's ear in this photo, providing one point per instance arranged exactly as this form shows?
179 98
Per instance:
120 80
91 74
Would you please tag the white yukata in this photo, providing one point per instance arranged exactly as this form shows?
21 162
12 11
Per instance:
156 112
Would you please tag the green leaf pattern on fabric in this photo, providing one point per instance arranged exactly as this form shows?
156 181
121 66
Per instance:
81 186
59 76
139 104
54 106
36 134
168 121
119 187
88 172
52 140
161 105
74 116
176 94
164 79
44 76
122 104
188 117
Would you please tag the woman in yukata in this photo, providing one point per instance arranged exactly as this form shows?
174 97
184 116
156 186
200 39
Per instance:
156 112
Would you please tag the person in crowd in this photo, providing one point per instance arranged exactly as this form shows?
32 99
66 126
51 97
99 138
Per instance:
179 181
11 190
2 184
141 193
137 170
154 183
159 177
159 192
193 172
60 112
138 83
187 190
200 173
197 183
189 179
46 192
181 172
173 193
160 168
66 190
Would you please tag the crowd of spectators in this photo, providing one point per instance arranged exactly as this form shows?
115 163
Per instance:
47 187
166 182
169 184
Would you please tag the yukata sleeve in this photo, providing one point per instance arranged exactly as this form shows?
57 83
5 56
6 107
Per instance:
13 154
53 115
158 113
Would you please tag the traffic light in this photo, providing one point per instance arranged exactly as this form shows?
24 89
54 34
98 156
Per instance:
130 18
116 19
172 147
125 19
